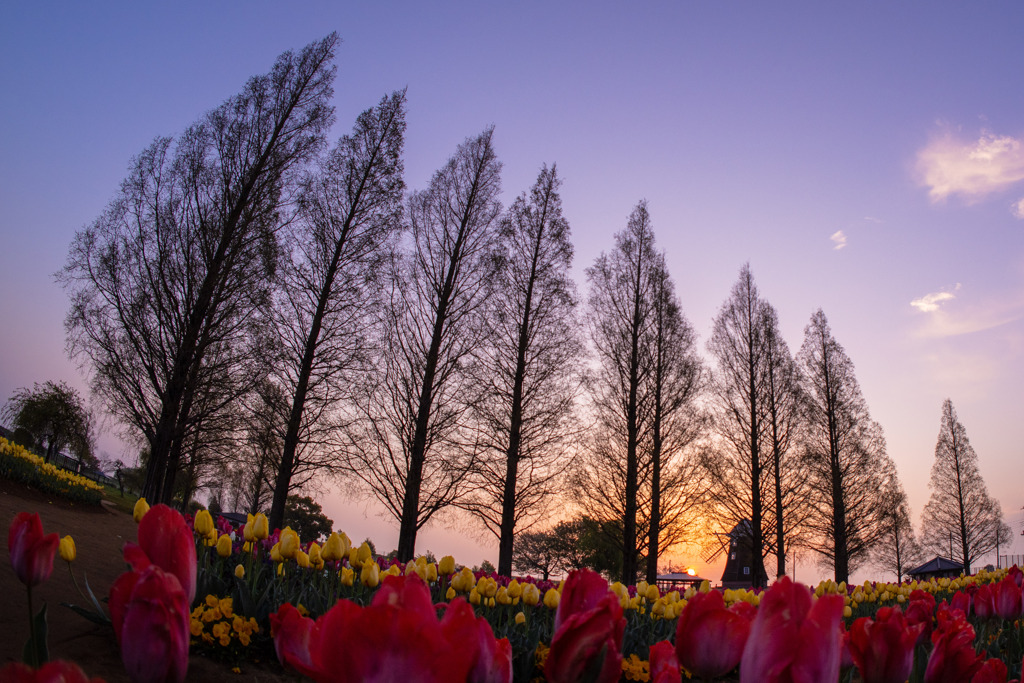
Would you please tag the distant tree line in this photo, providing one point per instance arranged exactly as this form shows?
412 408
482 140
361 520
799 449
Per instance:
265 313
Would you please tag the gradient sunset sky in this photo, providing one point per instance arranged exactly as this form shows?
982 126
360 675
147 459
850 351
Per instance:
867 159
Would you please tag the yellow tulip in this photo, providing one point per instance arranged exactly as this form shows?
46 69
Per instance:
447 566
141 508
261 527
302 559
364 553
531 594
520 618
333 550
450 594
551 598
289 543
514 589
249 531
474 596
240 571
502 596
68 552
347 576
370 574
275 553
652 593
431 573
224 546
353 558
203 523
315 554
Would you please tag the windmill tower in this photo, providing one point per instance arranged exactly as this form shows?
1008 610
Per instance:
740 561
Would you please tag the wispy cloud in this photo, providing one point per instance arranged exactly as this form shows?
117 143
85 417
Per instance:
931 302
839 239
1018 209
950 165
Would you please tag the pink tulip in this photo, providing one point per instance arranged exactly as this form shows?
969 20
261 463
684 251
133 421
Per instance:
57 671
793 637
953 659
883 647
150 614
166 541
1006 599
397 637
709 637
31 551
589 627
664 663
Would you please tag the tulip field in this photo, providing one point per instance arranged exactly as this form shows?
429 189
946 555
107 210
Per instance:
200 587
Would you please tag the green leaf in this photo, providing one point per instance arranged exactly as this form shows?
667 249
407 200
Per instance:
35 653
100 619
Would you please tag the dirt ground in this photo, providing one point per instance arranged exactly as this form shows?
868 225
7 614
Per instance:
99 535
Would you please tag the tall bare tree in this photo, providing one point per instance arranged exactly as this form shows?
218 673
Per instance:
530 368
177 269
620 317
739 390
845 455
349 211
897 549
960 517
782 428
416 455
675 382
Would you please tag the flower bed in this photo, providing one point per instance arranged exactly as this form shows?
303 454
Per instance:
18 464
336 612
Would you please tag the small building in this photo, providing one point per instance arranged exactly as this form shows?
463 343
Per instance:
677 581
739 565
936 568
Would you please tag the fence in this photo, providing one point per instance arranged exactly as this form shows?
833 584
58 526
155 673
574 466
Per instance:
1010 560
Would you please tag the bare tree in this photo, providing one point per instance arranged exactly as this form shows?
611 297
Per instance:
350 209
676 379
960 516
897 549
620 318
739 386
787 512
177 269
416 455
845 454
530 368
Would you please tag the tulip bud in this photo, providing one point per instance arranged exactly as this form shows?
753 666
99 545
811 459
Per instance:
141 508
248 531
275 553
203 523
531 594
446 566
302 559
474 596
353 558
67 549
502 597
224 546
431 573
520 618
449 594
261 528
551 598
347 576
332 550
315 554
289 543
652 593
31 550
364 553
370 574
240 571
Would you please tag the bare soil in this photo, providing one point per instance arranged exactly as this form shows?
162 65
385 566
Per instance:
99 534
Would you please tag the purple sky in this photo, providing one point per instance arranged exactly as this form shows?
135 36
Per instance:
868 160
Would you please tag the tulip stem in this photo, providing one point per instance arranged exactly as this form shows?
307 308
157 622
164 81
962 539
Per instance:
33 648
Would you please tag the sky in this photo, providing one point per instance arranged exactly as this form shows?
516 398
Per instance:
865 159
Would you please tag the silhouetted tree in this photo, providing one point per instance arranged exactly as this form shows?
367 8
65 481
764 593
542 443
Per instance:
897 549
739 389
530 368
169 284
960 507
349 210
620 318
845 459
416 455
56 416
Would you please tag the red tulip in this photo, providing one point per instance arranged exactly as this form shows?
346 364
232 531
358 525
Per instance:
961 601
664 663
397 637
150 614
494 661
953 658
588 632
57 671
1017 575
31 551
709 637
1007 599
984 602
793 637
883 648
921 610
166 541
991 671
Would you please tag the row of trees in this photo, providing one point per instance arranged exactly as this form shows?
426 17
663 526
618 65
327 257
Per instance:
260 311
